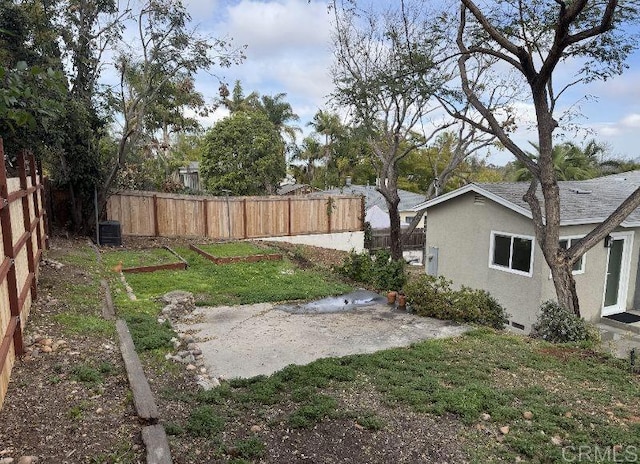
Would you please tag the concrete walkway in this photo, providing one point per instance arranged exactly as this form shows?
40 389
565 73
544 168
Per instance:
249 340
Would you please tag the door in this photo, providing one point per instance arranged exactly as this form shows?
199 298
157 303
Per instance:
617 276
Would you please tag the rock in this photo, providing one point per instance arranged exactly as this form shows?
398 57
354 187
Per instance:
189 359
215 382
176 358
192 346
44 342
183 354
28 460
568 414
6 461
556 440
168 356
255 428
99 411
485 417
161 320
359 427
46 349
203 370
504 430
191 367
196 353
527 415
188 339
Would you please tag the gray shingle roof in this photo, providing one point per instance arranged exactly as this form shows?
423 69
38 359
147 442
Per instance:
372 197
581 202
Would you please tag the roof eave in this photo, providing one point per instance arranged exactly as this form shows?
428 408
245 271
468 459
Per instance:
479 190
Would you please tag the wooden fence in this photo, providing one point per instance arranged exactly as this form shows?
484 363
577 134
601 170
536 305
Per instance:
169 215
380 239
23 239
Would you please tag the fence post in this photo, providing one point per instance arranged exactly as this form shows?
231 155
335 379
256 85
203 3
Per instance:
329 211
37 198
7 241
156 226
245 226
205 217
26 220
289 216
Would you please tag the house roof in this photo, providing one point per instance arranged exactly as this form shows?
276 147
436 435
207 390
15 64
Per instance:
581 202
374 198
288 188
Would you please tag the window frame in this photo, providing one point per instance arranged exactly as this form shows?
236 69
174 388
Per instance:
569 239
511 236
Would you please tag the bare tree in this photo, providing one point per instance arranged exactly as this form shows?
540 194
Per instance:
534 39
377 55
166 50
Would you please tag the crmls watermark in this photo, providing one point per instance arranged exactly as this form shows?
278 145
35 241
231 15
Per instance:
595 453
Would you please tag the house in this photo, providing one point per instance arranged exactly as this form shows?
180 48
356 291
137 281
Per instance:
295 189
376 210
482 236
190 176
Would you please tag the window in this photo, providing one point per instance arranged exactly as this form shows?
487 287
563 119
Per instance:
511 253
578 266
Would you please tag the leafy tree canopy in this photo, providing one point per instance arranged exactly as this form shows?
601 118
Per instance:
244 155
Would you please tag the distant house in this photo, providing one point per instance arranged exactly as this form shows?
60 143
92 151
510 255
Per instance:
190 176
376 211
482 236
296 189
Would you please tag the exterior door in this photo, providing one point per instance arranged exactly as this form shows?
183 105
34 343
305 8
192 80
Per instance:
617 276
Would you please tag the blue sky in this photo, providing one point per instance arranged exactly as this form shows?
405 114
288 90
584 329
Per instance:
289 51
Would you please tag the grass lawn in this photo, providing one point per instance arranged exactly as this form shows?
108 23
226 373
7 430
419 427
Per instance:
238 283
575 397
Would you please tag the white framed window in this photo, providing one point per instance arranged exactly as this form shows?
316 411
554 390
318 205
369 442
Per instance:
511 253
579 265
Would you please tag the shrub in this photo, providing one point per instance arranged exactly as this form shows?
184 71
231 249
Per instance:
356 266
378 271
433 297
557 324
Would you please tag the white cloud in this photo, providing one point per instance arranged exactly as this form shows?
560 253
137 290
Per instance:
631 121
278 28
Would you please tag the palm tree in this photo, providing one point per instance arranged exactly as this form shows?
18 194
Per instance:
571 162
280 113
329 125
238 102
310 152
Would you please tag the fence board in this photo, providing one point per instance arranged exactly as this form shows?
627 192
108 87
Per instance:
233 217
22 237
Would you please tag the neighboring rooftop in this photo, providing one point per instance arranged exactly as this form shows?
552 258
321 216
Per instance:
374 198
582 202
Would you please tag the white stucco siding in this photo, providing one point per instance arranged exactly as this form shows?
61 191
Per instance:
345 241
461 229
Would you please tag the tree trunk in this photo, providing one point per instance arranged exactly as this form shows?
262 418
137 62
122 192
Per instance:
394 231
565 286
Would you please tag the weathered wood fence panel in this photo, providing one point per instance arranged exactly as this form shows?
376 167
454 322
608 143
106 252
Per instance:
23 237
380 239
169 215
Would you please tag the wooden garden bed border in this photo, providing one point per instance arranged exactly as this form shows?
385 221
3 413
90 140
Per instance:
179 266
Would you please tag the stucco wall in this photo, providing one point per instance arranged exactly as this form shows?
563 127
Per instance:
461 229
345 241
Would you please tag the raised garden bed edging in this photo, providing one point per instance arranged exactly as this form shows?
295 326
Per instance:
237 259
180 266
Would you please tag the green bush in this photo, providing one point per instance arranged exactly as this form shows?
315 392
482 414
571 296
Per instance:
378 271
433 297
557 324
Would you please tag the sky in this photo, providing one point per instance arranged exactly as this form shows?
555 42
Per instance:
288 50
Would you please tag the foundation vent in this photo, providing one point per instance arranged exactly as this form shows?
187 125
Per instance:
478 200
517 326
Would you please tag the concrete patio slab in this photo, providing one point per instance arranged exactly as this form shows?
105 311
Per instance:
249 340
